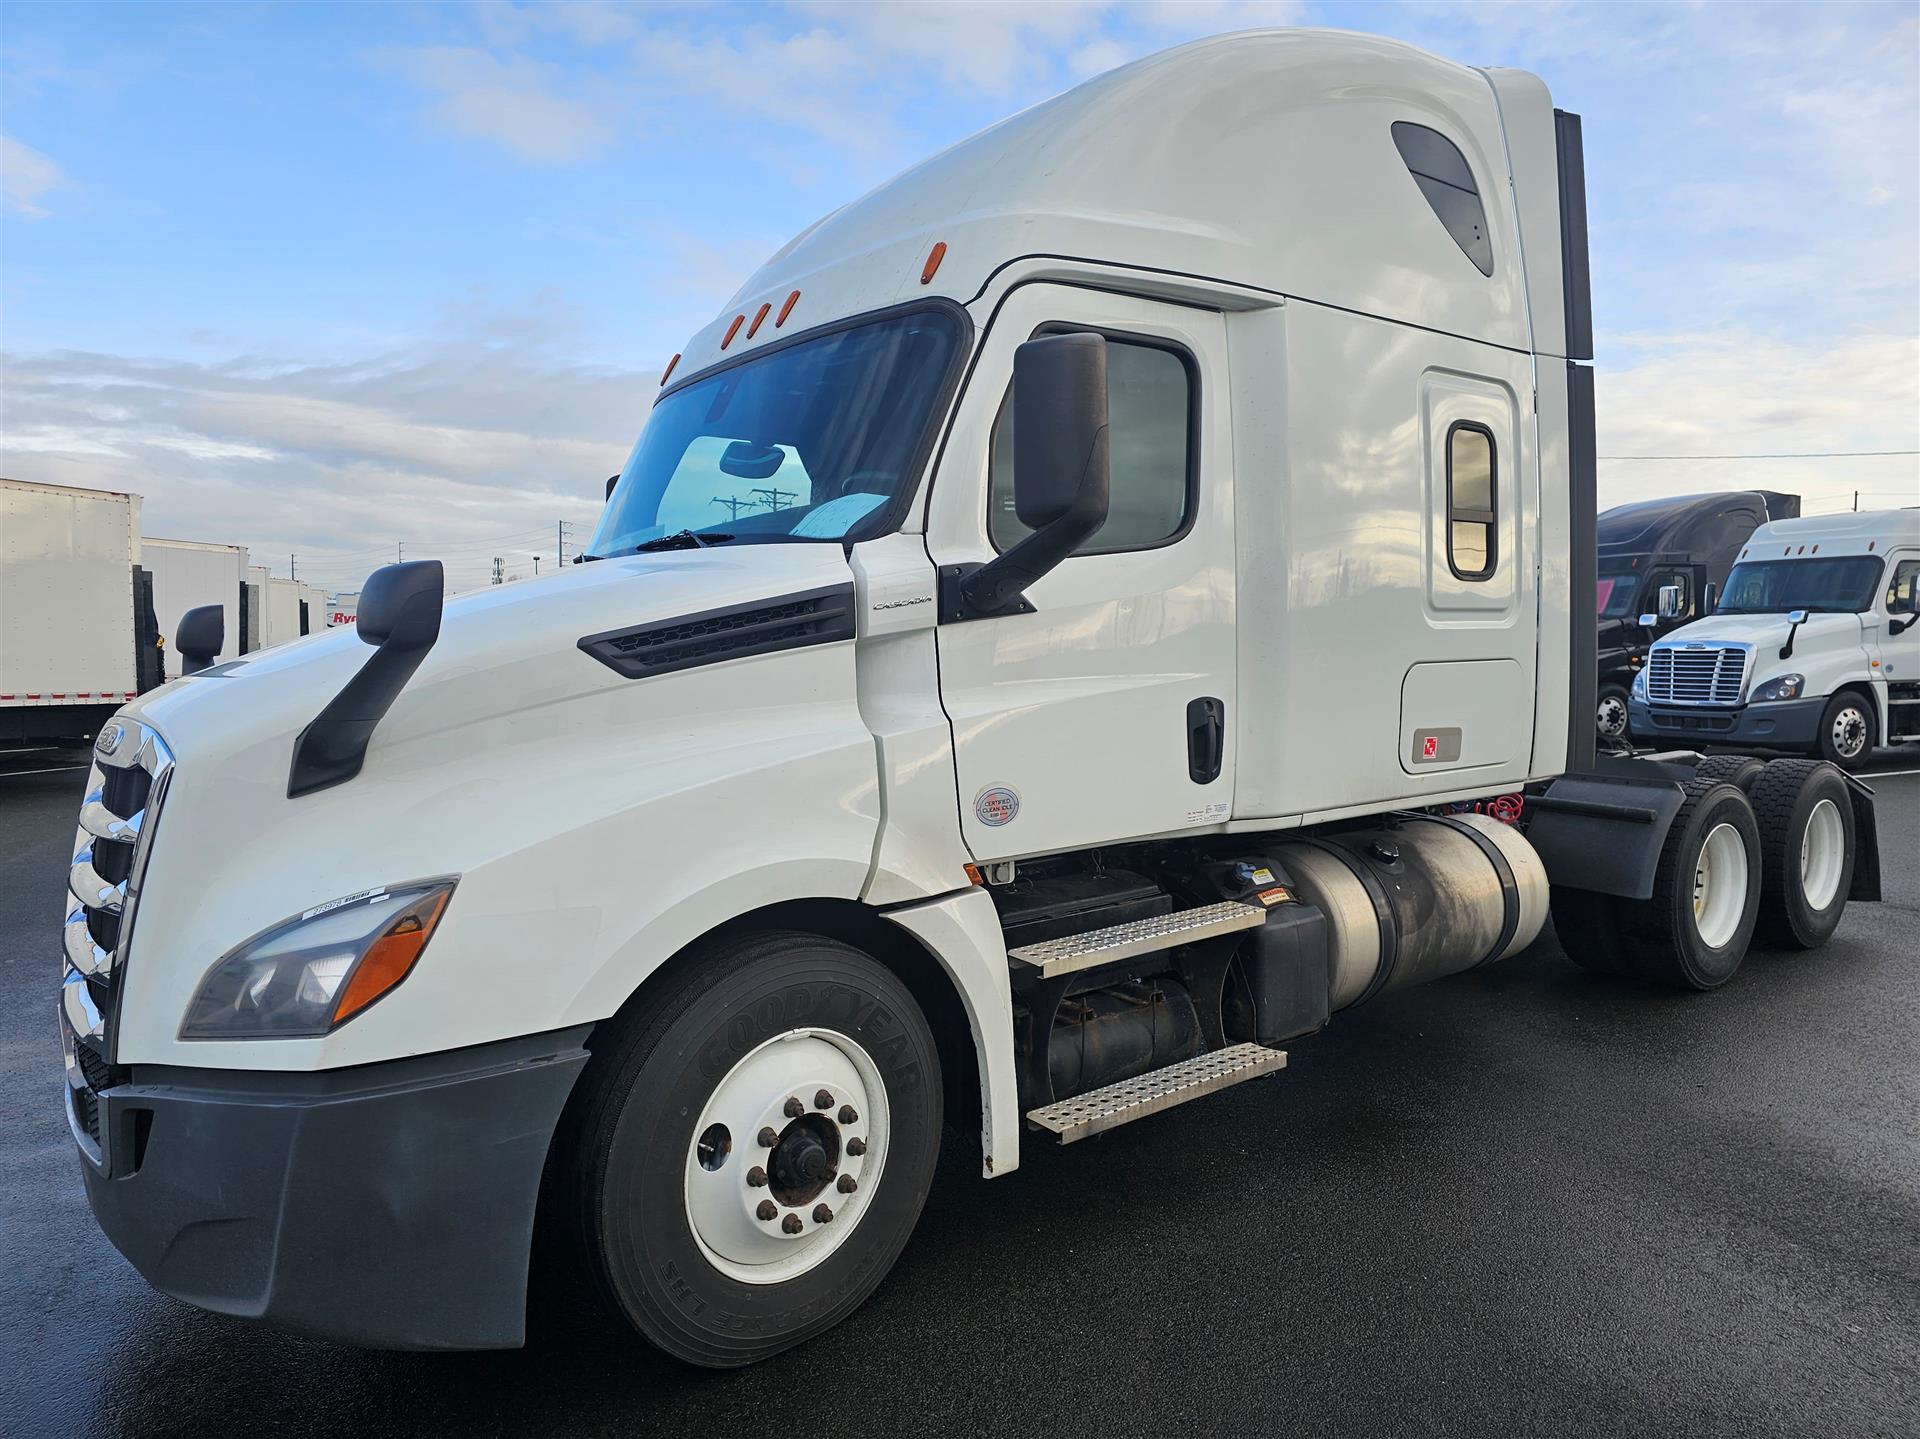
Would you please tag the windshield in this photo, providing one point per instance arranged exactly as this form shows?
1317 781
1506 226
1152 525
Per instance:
809 442
1767 587
1618 586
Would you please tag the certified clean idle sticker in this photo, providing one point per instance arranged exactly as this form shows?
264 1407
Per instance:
996 805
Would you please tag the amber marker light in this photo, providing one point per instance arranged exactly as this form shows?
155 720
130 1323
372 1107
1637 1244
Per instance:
786 309
664 374
759 315
934 257
391 957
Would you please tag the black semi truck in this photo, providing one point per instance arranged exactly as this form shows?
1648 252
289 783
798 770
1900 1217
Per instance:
1687 542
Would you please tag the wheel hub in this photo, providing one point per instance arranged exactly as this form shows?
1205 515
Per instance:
785 1155
1612 716
1849 732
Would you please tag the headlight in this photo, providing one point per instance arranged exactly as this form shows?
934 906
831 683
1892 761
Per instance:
314 972
1640 683
1780 687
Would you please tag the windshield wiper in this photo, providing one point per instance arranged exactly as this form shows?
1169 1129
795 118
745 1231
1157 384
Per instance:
683 540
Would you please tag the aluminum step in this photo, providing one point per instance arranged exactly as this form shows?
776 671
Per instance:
1102 1109
1141 936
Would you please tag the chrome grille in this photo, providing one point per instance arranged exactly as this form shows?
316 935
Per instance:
1697 674
131 764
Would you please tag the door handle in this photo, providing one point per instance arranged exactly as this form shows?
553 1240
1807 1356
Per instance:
1206 739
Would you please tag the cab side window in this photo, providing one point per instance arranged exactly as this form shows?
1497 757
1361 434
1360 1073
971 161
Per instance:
1150 447
1472 497
1900 587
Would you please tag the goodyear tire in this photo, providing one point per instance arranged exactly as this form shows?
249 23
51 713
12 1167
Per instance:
1807 842
1693 933
750 1150
1740 769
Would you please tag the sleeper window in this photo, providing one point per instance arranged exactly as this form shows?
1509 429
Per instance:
1472 480
1149 449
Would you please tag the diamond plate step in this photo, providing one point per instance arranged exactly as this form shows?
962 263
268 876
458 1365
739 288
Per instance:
1141 936
1103 1109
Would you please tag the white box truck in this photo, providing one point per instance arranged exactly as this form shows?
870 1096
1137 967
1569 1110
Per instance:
1813 646
190 574
77 631
1036 665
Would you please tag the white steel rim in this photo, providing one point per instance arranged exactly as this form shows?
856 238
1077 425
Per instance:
724 1201
1720 886
1823 853
1612 717
1850 732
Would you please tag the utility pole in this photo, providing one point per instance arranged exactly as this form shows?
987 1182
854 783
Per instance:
293 572
498 578
560 543
398 546
536 567
1856 502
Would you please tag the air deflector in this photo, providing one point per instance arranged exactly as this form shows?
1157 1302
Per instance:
1442 173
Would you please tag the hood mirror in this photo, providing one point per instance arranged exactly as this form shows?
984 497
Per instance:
1795 619
198 639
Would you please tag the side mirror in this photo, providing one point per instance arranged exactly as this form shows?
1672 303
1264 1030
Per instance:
1060 472
1670 602
400 616
198 639
1795 619
1709 598
1648 621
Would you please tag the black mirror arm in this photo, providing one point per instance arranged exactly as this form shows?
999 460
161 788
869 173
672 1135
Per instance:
999 586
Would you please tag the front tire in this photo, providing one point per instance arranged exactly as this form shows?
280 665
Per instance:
720 1247
1610 713
1847 730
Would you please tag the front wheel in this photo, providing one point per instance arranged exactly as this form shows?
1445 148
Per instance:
1610 713
1846 730
754 1146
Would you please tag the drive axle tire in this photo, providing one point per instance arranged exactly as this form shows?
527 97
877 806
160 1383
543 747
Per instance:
751 1148
1693 933
1740 769
1846 730
1806 852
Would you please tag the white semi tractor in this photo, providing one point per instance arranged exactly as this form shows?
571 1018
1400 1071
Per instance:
1038 663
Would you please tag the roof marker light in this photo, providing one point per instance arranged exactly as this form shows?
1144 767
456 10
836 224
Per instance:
758 316
664 374
733 329
934 257
786 310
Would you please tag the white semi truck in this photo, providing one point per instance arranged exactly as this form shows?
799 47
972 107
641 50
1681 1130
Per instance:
1813 646
1038 662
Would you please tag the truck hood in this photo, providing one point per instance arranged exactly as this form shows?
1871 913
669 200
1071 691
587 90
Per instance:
1766 633
502 649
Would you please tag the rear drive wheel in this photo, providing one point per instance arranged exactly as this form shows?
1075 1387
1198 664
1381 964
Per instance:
1740 769
754 1146
1610 712
1846 730
1694 931
1806 852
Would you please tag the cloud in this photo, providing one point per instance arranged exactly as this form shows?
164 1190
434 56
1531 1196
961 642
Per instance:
471 444
511 101
26 175
1737 392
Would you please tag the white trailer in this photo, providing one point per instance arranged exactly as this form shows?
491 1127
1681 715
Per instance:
1042 659
73 613
188 574
343 609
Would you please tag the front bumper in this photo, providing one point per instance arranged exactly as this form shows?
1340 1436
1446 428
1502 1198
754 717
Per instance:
1784 724
387 1204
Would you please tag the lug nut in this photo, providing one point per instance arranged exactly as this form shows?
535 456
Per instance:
768 1138
794 1108
791 1224
768 1209
849 1115
757 1177
856 1147
847 1184
821 1214
822 1099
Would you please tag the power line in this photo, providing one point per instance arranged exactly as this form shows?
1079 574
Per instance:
1803 455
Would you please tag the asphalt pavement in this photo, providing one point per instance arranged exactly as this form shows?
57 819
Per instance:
1524 1201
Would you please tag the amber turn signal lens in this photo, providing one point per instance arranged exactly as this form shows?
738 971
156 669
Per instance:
391 957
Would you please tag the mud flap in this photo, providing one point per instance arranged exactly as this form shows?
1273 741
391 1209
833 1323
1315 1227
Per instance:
1866 842
1603 831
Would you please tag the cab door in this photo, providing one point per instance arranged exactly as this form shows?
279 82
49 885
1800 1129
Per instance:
1106 713
1898 656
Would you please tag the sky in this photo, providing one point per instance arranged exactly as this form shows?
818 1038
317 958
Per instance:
328 280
